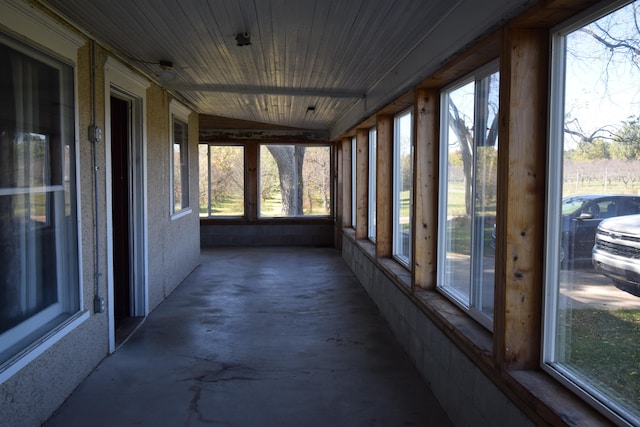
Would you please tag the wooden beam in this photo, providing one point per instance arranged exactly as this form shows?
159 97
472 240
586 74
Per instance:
338 193
263 135
521 198
362 183
251 176
346 182
426 189
384 186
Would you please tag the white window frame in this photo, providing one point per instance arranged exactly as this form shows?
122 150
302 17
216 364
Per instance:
553 225
371 211
209 189
177 111
354 179
468 303
261 216
397 238
39 30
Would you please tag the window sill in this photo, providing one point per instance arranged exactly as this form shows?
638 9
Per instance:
180 214
39 346
535 392
288 220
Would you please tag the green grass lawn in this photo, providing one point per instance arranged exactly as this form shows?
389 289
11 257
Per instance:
604 346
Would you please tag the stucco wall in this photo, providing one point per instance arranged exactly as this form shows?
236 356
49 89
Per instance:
174 244
33 393
449 373
30 395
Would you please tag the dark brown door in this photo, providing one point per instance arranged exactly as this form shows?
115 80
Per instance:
120 175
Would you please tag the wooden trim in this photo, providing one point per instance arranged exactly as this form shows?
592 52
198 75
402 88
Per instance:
426 188
521 198
384 186
346 182
251 184
339 196
362 183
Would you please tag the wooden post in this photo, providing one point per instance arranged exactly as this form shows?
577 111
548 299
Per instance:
384 186
346 182
338 196
426 189
362 183
251 192
521 198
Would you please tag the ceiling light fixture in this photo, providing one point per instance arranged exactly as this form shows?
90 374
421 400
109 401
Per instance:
168 73
243 39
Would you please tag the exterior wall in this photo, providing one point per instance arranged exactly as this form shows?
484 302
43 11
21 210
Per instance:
267 235
37 382
173 244
455 380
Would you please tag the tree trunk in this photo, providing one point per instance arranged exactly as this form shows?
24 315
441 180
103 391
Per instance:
289 160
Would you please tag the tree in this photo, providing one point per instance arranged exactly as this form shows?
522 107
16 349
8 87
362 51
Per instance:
290 159
465 141
626 145
610 49
317 180
592 150
465 136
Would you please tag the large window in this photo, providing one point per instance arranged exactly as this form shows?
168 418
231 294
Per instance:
179 159
402 186
222 180
592 317
39 286
371 232
468 167
354 177
295 180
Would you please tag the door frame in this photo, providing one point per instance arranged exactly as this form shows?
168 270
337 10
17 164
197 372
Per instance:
121 82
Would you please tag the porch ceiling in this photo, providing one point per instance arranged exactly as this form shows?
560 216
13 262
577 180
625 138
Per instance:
312 64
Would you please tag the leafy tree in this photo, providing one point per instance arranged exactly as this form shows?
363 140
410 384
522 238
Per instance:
626 145
592 150
465 140
613 44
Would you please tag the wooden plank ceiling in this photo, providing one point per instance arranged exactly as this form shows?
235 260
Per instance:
311 64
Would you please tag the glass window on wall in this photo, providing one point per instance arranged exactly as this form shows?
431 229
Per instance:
222 178
592 312
180 165
39 284
402 186
371 232
295 180
354 178
468 163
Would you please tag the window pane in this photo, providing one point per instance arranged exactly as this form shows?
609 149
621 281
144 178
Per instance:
468 218
593 318
180 166
203 180
354 176
295 180
226 178
372 184
485 194
402 175
38 234
459 192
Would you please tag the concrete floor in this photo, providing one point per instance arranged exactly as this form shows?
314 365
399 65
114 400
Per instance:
258 337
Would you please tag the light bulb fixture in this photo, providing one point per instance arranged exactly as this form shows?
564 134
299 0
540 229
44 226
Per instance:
243 39
167 74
